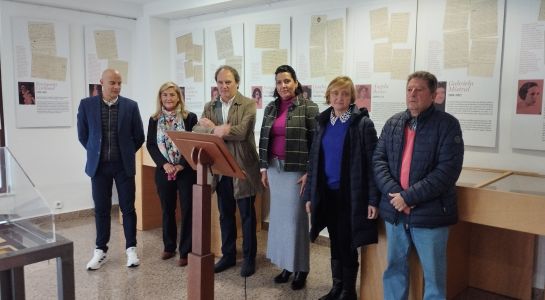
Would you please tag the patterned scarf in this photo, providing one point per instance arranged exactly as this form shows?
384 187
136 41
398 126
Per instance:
169 121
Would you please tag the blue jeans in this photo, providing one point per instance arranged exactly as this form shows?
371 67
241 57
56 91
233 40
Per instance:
431 247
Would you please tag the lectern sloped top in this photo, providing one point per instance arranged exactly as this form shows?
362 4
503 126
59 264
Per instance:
222 161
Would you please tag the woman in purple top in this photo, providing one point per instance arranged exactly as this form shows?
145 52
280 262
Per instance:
286 136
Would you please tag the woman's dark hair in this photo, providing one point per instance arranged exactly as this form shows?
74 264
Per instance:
523 90
288 69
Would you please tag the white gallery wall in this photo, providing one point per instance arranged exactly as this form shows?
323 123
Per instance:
54 159
47 151
501 156
52 156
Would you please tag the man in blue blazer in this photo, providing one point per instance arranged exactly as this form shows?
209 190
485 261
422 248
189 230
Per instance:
110 129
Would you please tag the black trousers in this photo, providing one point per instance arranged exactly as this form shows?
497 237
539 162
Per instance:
101 185
169 191
339 228
227 206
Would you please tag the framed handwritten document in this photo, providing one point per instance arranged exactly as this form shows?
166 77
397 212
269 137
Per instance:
107 47
224 46
189 67
319 51
461 43
42 72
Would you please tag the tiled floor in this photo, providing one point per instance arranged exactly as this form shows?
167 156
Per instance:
158 279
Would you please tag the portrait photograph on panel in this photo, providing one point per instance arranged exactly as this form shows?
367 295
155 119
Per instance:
257 95
440 95
182 92
529 97
26 93
307 92
214 93
363 96
95 90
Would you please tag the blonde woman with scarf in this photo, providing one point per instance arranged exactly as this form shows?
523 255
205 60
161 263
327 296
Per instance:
173 174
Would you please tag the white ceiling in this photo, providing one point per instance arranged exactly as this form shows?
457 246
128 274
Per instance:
139 1
170 9
204 8
120 8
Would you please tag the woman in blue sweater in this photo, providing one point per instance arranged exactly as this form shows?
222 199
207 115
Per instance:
340 192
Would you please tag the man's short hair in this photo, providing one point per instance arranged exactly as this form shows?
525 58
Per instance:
230 69
427 76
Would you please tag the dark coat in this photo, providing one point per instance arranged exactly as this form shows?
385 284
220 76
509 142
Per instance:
130 132
357 183
436 164
151 142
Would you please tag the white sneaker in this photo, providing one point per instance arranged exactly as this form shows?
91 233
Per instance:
99 258
132 258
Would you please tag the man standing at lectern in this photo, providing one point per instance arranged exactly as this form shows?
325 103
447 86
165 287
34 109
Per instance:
417 162
110 129
232 116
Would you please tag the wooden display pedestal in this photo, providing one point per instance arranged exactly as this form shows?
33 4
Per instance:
148 206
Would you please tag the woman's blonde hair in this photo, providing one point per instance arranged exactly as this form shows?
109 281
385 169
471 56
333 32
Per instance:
341 82
180 107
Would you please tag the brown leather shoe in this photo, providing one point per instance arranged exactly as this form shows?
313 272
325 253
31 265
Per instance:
182 262
166 255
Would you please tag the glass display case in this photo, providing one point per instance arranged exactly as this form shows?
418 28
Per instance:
519 183
493 246
502 198
473 177
27 233
26 220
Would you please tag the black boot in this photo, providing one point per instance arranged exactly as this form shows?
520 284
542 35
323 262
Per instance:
350 274
283 277
337 274
299 280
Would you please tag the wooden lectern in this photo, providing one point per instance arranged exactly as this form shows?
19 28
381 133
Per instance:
203 152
